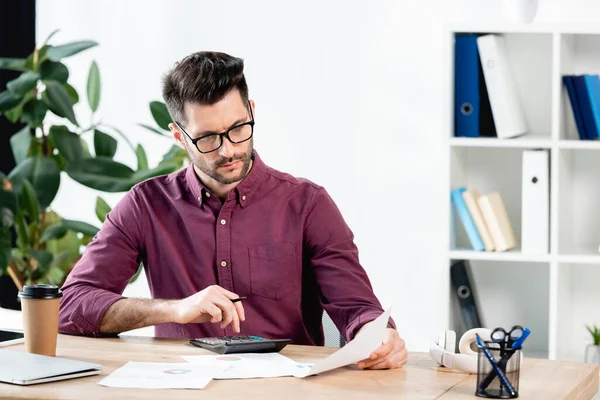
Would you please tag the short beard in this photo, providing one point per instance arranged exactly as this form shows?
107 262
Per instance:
245 158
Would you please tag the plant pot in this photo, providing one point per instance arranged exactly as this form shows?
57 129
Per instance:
592 354
8 294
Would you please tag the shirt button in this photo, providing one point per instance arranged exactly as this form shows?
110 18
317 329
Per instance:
207 194
199 198
243 197
223 264
223 222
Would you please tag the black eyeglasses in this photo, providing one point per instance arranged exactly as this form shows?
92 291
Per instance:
236 134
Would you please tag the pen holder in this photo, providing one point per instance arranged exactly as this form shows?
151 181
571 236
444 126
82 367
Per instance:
490 384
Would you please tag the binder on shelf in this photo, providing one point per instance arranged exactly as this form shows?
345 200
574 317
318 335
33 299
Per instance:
592 84
472 111
573 99
535 207
465 293
505 103
496 218
585 107
465 217
471 198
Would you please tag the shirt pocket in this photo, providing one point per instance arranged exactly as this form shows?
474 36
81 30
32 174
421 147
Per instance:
272 269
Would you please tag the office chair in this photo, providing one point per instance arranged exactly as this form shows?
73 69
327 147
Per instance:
333 338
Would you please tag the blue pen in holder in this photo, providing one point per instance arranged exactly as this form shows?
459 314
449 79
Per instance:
498 369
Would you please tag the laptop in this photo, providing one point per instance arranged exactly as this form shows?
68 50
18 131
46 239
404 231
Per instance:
22 368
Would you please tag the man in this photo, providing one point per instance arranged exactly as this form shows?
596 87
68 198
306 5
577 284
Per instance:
226 226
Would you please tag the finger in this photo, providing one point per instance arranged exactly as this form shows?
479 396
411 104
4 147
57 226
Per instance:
382 351
393 361
230 311
240 310
215 313
227 293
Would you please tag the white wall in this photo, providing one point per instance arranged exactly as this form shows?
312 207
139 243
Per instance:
348 93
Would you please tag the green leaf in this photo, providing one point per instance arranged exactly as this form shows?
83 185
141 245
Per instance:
68 243
104 145
5 248
19 143
80 227
29 201
50 36
102 173
160 114
23 84
56 275
15 64
93 87
66 50
34 112
54 71
72 93
9 100
43 173
7 217
102 208
69 144
59 101
53 232
176 154
151 129
43 257
8 200
22 234
160 169
142 159
137 274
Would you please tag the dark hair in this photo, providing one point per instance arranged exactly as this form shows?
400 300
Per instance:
204 78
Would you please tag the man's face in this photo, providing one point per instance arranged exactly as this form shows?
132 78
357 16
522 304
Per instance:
231 162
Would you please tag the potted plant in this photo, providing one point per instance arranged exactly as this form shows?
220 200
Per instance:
36 244
592 351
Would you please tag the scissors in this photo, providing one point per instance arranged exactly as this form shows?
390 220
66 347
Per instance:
507 339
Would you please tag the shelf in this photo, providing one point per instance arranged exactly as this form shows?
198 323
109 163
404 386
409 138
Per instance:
580 255
521 142
499 27
579 144
511 255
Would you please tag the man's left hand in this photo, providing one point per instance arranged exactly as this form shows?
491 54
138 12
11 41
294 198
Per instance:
391 354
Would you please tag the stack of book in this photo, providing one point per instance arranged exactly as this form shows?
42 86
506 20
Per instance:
584 96
484 218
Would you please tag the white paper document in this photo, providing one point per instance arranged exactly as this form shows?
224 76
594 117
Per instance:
360 348
247 365
271 365
148 375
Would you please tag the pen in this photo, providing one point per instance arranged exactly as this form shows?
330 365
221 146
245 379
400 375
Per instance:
518 344
501 375
238 299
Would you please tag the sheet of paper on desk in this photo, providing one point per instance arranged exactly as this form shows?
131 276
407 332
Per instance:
148 375
246 365
361 347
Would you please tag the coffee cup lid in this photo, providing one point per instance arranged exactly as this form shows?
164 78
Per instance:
40 292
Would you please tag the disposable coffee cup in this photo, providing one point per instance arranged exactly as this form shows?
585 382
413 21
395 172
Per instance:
40 305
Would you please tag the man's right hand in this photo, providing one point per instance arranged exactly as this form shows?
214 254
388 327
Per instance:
211 304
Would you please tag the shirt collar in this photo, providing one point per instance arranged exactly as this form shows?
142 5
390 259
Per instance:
242 193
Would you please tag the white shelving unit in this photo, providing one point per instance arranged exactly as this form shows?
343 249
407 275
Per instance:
558 293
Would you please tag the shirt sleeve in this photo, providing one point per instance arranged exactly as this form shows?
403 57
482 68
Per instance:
346 291
101 275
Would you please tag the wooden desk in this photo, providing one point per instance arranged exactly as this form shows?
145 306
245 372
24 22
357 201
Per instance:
419 379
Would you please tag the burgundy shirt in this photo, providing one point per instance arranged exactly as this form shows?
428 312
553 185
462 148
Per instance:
277 239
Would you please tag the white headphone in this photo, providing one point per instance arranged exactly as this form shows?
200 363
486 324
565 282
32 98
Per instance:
442 350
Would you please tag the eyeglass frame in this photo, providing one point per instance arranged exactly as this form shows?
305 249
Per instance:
226 133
